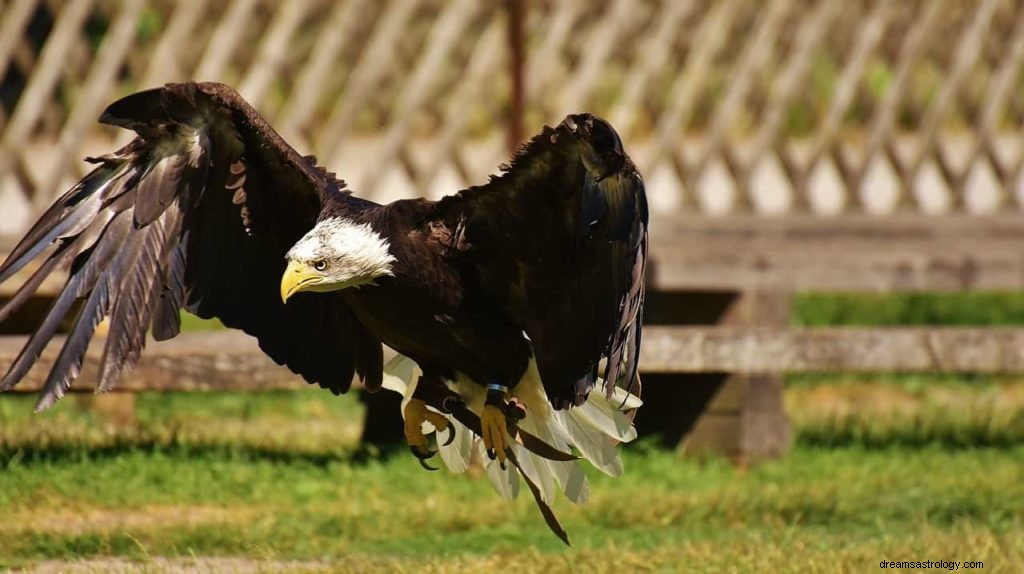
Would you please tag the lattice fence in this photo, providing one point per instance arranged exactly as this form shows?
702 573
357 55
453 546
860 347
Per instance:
728 105
789 105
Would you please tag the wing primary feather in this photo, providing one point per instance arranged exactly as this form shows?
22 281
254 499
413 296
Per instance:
42 335
69 361
66 226
170 289
167 316
157 187
66 251
131 243
81 280
132 311
29 287
69 216
54 216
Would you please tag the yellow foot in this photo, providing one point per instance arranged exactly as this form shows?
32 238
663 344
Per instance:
417 413
494 426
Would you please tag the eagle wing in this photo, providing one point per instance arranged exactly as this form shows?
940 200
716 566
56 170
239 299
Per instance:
196 212
559 239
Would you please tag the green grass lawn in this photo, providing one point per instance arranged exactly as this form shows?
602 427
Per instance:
818 510
883 467
276 478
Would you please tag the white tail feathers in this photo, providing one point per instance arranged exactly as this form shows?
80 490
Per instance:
593 430
459 454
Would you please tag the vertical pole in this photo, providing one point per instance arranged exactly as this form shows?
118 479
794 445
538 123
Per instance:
517 61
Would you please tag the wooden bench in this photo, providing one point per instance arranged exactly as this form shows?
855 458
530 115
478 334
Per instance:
739 273
718 338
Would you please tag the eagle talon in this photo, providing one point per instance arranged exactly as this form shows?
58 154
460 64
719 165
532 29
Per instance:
451 436
423 454
417 413
515 411
495 430
423 459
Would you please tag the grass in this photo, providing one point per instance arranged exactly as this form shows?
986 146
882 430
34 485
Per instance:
185 482
827 411
816 510
876 309
285 424
908 410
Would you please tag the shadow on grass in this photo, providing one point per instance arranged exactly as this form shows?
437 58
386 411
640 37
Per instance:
952 440
823 436
118 445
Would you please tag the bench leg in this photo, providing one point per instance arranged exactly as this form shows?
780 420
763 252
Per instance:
674 404
745 421
738 416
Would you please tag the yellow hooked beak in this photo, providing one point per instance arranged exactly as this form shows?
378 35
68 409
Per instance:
298 277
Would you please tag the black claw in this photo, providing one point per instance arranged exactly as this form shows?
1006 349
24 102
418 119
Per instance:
421 452
515 411
491 454
451 435
502 465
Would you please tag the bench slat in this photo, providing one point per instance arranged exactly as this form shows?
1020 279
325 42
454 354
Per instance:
218 360
824 349
227 360
847 253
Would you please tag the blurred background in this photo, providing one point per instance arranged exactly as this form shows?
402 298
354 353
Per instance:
775 107
833 364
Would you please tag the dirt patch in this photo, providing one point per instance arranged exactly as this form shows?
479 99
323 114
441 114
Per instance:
72 521
834 401
175 565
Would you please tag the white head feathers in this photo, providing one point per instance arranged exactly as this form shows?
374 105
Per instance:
350 253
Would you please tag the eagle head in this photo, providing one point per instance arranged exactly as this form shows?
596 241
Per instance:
601 148
336 254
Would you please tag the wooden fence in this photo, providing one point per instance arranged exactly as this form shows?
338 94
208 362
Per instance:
728 105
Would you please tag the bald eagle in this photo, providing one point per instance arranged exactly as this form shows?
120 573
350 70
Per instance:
515 306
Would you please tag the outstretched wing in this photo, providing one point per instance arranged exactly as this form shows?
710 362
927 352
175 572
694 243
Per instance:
197 212
560 240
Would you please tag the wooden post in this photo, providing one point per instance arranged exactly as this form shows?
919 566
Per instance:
674 402
745 418
739 416
517 63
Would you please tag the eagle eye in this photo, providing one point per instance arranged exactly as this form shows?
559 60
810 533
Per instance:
320 265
